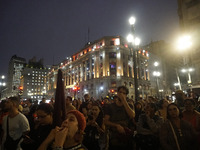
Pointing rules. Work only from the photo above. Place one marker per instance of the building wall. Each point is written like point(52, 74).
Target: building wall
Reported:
point(16, 65)
point(99, 68)
point(34, 82)
point(189, 18)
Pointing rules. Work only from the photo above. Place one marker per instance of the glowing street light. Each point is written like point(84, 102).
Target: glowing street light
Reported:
point(188, 71)
point(156, 64)
point(137, 41)
point(156, 73)
point(184, 42)
point(133, 43)
point(132, 20)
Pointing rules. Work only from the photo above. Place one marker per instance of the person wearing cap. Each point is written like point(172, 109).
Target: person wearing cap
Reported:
point(69, 136)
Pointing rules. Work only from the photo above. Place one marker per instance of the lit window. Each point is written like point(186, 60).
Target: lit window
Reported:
point(117, 41)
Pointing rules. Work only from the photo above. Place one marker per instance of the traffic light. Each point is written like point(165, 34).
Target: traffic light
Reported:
point(75, 88)
point(20, 90)
point(112, 90)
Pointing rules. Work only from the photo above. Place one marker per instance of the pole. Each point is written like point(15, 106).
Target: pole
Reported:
point(135, 64)
point(158, 95)
point(135, 74)
point(179, 83)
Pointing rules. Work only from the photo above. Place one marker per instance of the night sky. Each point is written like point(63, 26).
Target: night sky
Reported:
point(55, 29)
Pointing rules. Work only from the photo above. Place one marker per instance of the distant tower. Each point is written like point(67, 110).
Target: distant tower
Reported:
point(15, 68)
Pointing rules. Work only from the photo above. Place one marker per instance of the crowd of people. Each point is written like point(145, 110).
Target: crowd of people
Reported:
point(116, 123)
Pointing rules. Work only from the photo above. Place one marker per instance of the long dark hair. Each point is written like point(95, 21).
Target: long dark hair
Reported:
point(180, 112)
point(99, 119)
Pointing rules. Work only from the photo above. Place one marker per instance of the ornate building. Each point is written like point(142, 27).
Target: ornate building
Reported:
point(100, 67)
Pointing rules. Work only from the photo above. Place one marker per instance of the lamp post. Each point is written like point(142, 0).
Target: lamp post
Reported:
point(189, 76)
point(2, 84)
point(184, 43)
point(157, 74)
point(134, 42)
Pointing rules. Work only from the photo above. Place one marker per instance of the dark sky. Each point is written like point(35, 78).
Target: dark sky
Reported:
point(55, 29)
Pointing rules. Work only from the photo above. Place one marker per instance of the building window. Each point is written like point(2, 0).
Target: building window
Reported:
point(112, 55)
point(101, 57)
point(113, 68)
point(131, 84)
point(112, 42)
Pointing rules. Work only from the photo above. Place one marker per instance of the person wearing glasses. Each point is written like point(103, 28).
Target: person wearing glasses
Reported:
point(43, 126)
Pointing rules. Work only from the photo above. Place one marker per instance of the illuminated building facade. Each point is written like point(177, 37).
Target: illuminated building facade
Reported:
point(100, 67)
point(34, 80)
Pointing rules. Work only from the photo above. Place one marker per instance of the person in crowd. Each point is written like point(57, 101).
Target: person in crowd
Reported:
point(198, 105)
point(76, 103)
point(14, 126)
point(130, 102)
point(68, 102)
point(118, 117)
point(147, 129)
point(180, 97)
point(95, 128)
point(138, 110)
point(42, 127)
point(20, 108)
point(105, 103)
point(162, 111)
point(83, 106)
point(177, 134)
point(32, 116)
point(27, 107)
point(69, 136)
point(3, 113)
point(43, 100)
point(191, 115)
point(52, 101)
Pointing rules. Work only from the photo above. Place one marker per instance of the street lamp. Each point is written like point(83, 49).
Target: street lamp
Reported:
point(184, 43)
point(2, 84)
point(157, 74)
point(134, 42)
point(189, 76)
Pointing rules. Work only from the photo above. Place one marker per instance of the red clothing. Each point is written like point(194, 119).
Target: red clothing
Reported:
point(194, 120)
point(1, 117)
